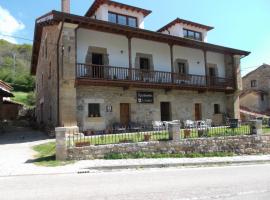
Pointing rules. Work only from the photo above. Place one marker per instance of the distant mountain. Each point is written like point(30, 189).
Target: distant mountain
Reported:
point(15, 60)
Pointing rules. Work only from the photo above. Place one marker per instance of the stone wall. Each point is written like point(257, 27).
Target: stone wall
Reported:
point(182, 105)
point(241, 145)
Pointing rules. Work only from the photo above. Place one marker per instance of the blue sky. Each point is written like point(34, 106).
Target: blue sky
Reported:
point(242, 24)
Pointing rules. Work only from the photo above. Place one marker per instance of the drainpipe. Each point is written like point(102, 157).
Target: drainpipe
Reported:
point(58, 75)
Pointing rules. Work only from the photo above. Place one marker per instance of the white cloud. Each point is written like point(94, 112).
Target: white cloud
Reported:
point(9, 25)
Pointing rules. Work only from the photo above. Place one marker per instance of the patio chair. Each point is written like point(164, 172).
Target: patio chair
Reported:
point(157, 125)
point(189, 124)
point(208, 122)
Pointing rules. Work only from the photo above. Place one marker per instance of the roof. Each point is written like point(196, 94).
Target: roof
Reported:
point(8, 101)
point(98, 3)
point(183, 21)
point(245, 110)
point(262, 66)
point(5, 93)
point(55, 17)
point(258, 92)
point(5, 86)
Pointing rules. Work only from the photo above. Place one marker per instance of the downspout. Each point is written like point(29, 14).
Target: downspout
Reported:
point(58, 76)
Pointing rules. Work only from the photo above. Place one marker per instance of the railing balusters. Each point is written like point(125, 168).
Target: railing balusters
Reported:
point(103, 72)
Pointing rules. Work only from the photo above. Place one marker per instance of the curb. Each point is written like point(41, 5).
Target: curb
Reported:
point(168, 165)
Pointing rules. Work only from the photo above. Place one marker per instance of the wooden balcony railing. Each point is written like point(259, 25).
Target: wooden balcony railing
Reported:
point(110, 73)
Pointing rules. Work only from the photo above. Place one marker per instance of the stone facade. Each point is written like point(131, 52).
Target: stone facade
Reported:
point(241, 145)
point(252, 95)
point(46, 77)
point(182, 105)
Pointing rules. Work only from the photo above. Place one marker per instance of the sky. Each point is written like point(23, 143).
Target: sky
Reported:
point(240, 24)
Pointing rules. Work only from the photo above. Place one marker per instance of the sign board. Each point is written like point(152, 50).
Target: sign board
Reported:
point(145, 97)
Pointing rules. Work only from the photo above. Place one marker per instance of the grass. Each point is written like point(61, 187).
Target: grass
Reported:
point(266, 129)
point(20, 97)
point(137, 155)
point(46, 156)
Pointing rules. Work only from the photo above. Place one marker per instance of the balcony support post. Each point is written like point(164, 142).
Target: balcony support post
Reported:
point(206, 68)
point(129, 58)
point(172, 68)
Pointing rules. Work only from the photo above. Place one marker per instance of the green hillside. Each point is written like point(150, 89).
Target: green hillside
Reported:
point(15, 68)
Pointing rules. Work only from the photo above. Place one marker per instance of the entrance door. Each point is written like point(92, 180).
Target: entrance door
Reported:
point(198, 111)
point(97, 70)
point(212, 75)
point(124, 113)
point(165, 111)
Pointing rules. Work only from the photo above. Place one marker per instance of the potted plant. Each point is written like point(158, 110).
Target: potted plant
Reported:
point(147, 137)
point(82, 144)
point(187, 133)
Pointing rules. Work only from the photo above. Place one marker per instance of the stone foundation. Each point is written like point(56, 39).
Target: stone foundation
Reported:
point(241, 145)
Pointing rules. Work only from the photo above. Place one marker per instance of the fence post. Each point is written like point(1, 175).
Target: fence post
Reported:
point(61, 148)
point(256, 127)
point(174, 131)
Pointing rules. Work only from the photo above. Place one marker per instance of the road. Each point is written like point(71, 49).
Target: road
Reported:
point(227, 183)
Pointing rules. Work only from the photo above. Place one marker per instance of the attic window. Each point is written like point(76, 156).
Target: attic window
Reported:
point(192, 34)
point(253, 83)
point(122, 19)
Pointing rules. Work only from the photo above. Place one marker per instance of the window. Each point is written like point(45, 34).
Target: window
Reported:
point(253, 83)
point(50, 70)
point(93, 110)
point(182, 68)
point(144, 64)
point(122, 19)
point(216, 109)
point(262, 97)
point(192, 34)
point(112, 17)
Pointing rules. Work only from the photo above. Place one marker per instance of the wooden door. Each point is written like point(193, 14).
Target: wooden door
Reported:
point(124, 113)
point(212, 75)
point(165, 111)
point(97, 69)
point(198, 111)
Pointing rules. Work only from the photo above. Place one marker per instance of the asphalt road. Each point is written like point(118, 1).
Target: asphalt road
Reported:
point(226, 183)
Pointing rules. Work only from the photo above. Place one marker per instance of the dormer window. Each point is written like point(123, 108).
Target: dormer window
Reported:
point(122, 19)
point(192, 34)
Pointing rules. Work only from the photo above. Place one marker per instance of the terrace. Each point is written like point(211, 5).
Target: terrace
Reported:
point(87, 74)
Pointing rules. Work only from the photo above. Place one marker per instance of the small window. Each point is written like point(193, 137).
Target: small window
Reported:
point(216, 109)
point(50, 70)
point(262, 97)
point(93, 110)
point(112, 17)
point(192, 34)
point(132, 22)
point(182, 68)
point(122, 20)
point(253, 83)
point(144, 64)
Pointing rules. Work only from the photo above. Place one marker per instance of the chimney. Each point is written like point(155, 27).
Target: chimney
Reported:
point(65, 6)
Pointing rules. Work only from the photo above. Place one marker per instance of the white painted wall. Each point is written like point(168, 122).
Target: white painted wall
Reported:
point(194, 56)
point(177, 30)
point(218, 59)
point(114, 44)
point(102, 14)
point(160, 52)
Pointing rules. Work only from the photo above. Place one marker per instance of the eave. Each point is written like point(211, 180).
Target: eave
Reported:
point(55, 17)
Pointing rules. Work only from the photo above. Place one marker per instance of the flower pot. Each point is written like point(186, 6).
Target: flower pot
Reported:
point(147, 137)
point(187, 133)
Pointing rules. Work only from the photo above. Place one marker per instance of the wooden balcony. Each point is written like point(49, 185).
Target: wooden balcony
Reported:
point(101, 75)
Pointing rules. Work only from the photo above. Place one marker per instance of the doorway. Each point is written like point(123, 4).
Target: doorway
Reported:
point(212, 75)
point(198, 111)
point(124, 113)
point(165, 111)
point(98, 69)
